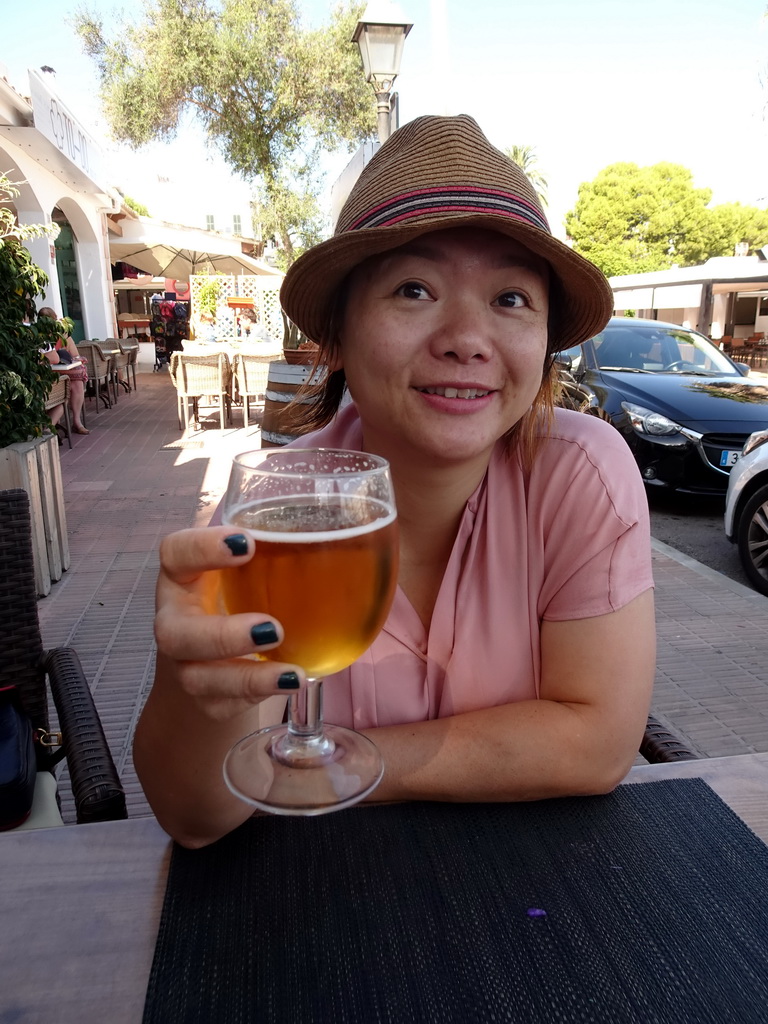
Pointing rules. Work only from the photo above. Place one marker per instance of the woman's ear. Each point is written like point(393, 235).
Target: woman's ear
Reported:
point(334, 361)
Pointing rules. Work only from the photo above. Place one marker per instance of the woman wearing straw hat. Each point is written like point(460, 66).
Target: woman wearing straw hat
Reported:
point(518, 658)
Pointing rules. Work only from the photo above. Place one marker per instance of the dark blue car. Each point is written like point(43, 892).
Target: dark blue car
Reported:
point(684, 408)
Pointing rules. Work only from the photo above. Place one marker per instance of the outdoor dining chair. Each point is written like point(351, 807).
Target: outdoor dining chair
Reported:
point(661, 745)
point(93, 779)
point(130, 347)
point(196, 377)
point(59, 395)
point(251, 373)
point(99, 371)
point(120, 361)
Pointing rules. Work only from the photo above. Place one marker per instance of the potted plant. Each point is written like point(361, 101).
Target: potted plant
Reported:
point(297, 348)
point(28, 458)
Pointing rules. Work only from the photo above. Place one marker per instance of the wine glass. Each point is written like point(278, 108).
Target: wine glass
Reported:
point(325, 566)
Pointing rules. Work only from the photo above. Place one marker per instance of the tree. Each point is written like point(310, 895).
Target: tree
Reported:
point(634, 219)
point(630, 220)
point(259, 84)
point(526, 159)
point(731, 223)
point(287, 208)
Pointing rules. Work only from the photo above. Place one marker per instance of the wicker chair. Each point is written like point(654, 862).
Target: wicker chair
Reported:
point(251, 373)
point(95, 784)
point(59, 395)
point(130, 348)
point(661, 745)
point(120, 362)
point(202, 376)
point(99, 371)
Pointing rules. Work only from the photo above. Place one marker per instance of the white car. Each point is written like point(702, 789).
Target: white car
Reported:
point(746, 509)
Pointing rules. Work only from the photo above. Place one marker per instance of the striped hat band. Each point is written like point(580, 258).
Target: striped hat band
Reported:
point(449, 199)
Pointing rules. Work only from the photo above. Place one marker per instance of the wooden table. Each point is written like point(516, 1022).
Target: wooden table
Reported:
point(80, 905)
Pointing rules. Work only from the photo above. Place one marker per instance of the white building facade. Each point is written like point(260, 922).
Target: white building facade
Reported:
point(725, 297)
point(59, 170)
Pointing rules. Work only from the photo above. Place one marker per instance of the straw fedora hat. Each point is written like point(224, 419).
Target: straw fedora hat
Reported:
point(431, 174)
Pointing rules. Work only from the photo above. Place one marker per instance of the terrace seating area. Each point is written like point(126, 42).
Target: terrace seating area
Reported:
point(221, 376)
point(752, 350)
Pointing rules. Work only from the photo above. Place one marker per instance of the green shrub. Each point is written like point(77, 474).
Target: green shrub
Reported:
point(25, 376)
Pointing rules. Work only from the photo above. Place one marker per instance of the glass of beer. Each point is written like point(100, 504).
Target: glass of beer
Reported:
point(325, 567)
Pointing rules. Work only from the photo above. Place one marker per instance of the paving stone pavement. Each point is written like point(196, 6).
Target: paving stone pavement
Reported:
point(137, 476)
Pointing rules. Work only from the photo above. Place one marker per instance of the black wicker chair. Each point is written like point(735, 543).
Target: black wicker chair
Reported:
point(661, 745)
point(96, 788)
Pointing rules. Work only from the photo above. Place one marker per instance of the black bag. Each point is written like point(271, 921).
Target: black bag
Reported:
point(17, 761)
point(65, 356)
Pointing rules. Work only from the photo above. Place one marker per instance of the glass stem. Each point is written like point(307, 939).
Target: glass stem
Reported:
point(304, 745)
point(305, 713)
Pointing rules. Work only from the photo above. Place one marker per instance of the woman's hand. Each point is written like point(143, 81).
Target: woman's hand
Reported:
point(209, 689)
point(212, 652)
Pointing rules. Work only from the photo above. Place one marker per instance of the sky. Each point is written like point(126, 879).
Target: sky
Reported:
point(586, 84)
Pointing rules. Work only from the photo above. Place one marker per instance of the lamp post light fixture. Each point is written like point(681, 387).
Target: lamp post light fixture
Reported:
point(380, 34)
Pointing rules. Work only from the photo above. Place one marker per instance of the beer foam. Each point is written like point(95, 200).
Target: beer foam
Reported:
point(288, 520)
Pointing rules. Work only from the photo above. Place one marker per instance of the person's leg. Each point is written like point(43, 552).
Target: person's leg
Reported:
point(76, 399)
point(55, 414)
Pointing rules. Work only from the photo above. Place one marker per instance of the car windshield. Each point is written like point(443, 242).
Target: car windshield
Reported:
point(644, 348)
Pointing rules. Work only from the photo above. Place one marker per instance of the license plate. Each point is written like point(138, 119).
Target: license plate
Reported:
point(729, 458)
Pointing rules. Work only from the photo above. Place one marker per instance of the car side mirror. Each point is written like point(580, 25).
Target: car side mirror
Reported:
point(744, 369)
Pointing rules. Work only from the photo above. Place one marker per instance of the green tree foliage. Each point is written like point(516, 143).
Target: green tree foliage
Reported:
point(631, 220)
point(731, 223)
point(25, 377)
point(287, 208)
point(526, 159)
point(259, 84)
point(136, 206)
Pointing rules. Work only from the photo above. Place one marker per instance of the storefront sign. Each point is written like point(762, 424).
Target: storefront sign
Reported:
point(57, 123)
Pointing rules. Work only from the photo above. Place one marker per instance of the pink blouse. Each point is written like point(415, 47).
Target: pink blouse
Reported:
point(569, 541)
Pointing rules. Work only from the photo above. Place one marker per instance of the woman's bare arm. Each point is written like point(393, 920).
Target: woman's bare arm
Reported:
point(581, 737)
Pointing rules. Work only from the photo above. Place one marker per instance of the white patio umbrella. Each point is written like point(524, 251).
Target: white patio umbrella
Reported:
point(168, 251)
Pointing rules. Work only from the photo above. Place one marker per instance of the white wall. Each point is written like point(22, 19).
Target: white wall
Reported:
point(43, 191)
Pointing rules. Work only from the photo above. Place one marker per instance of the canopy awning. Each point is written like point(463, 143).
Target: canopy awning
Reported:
point(167, 250)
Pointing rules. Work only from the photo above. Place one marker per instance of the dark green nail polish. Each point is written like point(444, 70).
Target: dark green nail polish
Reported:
point(237, 543)
point(288, 681)
point(264, 633)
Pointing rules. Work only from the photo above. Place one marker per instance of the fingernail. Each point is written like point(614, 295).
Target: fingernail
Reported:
point(264, 633)
point(237, 543)
point(288, 681)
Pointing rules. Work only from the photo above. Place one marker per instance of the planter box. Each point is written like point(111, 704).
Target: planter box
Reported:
point(35, 466)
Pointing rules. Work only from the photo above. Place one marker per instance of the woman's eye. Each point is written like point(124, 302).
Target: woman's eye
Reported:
point(412, 290)
point(512, 300)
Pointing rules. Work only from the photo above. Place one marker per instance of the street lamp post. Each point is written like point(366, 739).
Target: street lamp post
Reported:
point(380, 34)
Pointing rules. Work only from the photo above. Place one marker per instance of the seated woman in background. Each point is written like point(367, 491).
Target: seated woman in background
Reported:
point(78, 376)
point(518, 657)
point(206, 332)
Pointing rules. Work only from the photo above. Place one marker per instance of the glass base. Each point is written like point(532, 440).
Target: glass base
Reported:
point(280, 773)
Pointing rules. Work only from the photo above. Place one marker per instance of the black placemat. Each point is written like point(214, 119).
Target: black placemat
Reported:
point(655, 903)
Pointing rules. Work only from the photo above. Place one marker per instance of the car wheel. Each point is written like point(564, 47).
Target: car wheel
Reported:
point(752, 536)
